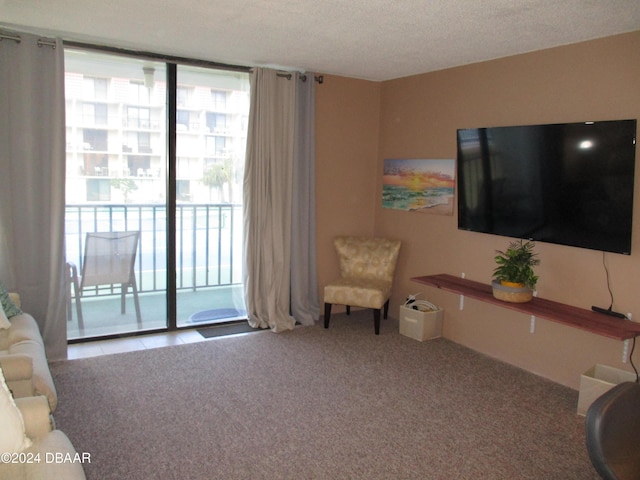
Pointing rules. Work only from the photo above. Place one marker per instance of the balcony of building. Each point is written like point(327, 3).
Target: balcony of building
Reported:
point(208, 273)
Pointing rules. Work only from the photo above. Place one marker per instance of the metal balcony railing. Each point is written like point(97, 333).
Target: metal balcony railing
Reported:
point(208, 242)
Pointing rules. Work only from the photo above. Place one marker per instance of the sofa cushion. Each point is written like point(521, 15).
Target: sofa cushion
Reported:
point(24, 327)
point(12, 435)
point(42, 379)
point(58, 461)
point(10, 308)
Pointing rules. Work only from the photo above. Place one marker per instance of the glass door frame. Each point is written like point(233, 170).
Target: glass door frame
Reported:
point(171, 63)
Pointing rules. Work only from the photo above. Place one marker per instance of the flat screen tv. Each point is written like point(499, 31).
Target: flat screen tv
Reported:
point(569, 184)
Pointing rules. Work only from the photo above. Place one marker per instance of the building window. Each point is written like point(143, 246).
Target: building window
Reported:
point(94, 114)
point(144, 142)
point(183, 190)
point(138, 93)
point(216, 146)
point(182, 96)
point(182, 120)
point(138, 117)
point(219, 100)
point(96, 165)
point(216, 122)
point(98, 190)
point(95, 139)
point(94, 88)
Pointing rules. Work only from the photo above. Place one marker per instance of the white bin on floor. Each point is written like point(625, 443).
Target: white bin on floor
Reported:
point(596, 381)
point(421, 325)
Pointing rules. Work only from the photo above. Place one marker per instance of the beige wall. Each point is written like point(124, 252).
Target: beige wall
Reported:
point(418, 117)
point(347, 130)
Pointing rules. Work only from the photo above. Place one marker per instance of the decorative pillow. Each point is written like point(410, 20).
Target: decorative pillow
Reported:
point(12, 437)
point(10, 308)
point(4, 321)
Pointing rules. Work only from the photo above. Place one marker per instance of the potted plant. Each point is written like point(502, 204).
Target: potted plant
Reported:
point(514, 279)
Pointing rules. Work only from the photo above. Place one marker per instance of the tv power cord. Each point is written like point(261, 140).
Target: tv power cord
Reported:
point(609, 311)
point(421, 305)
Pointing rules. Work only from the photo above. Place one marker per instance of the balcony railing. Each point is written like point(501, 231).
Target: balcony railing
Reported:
point(208, 242)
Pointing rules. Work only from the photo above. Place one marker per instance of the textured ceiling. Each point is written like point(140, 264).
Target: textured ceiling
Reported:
point(369, 39)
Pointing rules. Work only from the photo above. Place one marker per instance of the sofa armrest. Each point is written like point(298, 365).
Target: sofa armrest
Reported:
point(15, 298)
point(16, 366)
point(35, 415)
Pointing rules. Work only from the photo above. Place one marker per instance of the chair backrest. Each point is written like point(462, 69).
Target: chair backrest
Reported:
point(109, 258)
point(366, 257)
point(613, 432)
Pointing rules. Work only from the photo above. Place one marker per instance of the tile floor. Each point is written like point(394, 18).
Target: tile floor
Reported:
point(128, 344)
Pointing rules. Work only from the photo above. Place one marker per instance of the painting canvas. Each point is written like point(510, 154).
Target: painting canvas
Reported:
point(419, 185)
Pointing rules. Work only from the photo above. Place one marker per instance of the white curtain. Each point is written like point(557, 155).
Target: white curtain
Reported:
point(278, 149)
point(32, 195)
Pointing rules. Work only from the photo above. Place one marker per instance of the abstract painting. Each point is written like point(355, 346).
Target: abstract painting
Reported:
point(421, 185)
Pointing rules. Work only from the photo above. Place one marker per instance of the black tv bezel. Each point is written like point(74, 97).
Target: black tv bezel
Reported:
point(611, 247)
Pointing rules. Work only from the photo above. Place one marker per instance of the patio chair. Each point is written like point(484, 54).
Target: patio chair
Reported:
point(367, 266)
point(109, 258)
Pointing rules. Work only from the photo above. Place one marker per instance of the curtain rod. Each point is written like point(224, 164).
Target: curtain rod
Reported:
point(303, 77)
point(153, 56)
point(157, 56)
point(17, 38)
point(174, 59)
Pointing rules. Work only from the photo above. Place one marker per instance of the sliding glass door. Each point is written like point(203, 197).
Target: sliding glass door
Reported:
point(212, 109)
point(153, 216)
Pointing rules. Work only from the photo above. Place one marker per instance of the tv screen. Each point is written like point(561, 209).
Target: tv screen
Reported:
point(569, 184)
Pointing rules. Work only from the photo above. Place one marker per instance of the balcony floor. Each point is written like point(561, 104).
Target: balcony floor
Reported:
point(102, 315)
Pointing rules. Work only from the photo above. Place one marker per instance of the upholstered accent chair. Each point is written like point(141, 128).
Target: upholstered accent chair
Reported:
point(613, 432)
point(367, 266)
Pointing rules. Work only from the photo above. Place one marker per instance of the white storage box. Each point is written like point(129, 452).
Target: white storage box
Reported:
point(420, 325)
point(596, 381)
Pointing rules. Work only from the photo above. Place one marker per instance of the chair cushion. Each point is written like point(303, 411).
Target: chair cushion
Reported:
point(360, 292)
point(369, 258)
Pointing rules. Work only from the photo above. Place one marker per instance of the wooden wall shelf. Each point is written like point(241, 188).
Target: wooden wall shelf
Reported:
point(581, 318)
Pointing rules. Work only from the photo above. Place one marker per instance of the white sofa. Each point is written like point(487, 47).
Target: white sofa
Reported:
point(22, 354)
point(30, 446)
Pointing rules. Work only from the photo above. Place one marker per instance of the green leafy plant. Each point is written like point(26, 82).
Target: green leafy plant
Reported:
point(516, 264)
point(126, 185)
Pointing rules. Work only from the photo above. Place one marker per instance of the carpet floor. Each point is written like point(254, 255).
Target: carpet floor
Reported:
point(318, 404)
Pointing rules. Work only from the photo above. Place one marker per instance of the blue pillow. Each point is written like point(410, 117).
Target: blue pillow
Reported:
point(8, 306)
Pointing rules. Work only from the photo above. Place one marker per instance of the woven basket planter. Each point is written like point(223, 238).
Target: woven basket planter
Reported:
point(511, 294)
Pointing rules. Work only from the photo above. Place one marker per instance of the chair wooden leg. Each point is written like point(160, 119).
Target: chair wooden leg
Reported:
point(386, 309)
point(348, 309)
point(376, 320)
point(327, 314)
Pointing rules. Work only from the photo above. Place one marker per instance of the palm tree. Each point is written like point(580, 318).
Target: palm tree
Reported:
point(216, 175)
point(126, 185)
